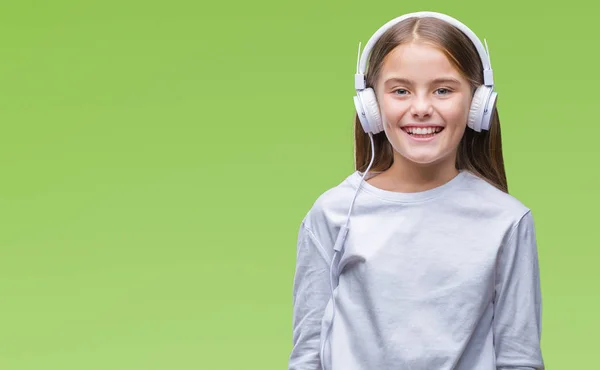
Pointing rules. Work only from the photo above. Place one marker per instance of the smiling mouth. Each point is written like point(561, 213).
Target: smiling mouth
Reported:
point(423, 132)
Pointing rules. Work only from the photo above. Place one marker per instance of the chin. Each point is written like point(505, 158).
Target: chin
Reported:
point(423, 159)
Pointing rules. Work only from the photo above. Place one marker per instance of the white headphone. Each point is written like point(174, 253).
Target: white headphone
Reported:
point(484, 99)
point(480, 113)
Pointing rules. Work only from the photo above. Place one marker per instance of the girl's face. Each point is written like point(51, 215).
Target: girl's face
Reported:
point(424, 103)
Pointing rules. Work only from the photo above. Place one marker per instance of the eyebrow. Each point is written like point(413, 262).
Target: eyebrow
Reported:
point(435, 81)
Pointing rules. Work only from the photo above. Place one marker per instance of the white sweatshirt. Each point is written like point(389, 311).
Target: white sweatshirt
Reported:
point(444, 279)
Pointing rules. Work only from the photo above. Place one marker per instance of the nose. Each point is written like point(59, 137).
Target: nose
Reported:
point(421, 107)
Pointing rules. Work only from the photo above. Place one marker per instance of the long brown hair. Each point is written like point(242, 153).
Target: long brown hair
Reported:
point(478, 152)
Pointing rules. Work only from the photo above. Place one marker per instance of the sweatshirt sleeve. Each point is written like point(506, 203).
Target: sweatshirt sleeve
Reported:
point(311, 293)
point(518, 303)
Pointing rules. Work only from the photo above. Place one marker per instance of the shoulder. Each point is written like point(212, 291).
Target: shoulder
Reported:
point(493, 202)
point(329, 210)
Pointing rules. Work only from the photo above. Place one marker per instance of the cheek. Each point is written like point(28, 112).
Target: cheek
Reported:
point(456, 114)
point(392, 109)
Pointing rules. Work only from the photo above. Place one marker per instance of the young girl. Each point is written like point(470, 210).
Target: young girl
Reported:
point(420, 259)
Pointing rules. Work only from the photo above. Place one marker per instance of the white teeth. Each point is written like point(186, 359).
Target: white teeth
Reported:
point(424, 130)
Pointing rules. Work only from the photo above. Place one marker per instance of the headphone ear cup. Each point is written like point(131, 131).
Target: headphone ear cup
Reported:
point(369, 101)
point(362, 113)
point(477, 107)
point(489, 109)
point(368, 111)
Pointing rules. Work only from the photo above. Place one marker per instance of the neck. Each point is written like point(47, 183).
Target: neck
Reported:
point(407, 176)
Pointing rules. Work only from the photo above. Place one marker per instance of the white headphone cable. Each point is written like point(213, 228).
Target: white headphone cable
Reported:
point(337, 248)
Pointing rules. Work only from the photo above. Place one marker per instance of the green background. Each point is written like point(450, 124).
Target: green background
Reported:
point(157, 159)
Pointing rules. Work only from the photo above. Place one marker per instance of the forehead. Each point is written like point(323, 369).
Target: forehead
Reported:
point(418, 62)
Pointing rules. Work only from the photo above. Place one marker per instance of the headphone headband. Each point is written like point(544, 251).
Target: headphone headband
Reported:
point(488, 76)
